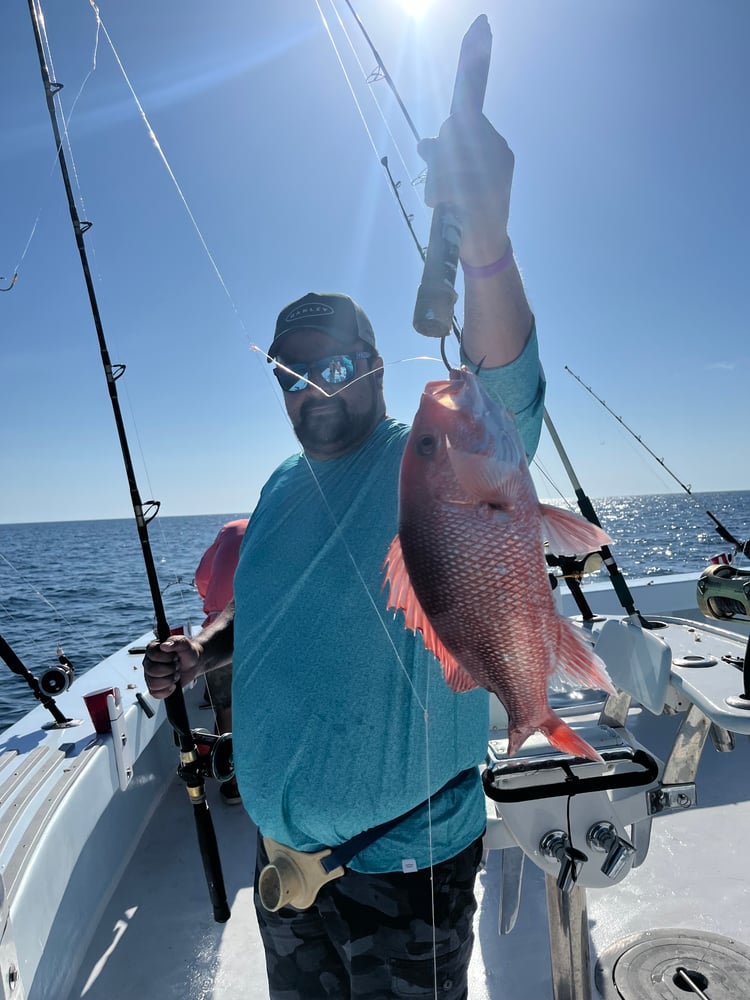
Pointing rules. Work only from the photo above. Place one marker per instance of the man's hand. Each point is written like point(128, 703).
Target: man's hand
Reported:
point(167, 664)
point(470, 165)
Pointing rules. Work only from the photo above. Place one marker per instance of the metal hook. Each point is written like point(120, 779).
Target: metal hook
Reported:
point(12, 282)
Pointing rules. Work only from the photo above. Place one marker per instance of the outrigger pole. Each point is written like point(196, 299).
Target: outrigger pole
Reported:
point(189, 768)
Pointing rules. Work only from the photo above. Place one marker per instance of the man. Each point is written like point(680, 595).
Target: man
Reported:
point(342, 721)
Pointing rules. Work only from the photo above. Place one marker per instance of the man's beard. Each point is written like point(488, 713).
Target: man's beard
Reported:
point(333, 427)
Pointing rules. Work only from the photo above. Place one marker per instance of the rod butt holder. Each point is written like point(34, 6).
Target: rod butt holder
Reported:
point(292, 878)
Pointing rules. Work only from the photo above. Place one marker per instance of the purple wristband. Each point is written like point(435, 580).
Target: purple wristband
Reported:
point(488, 270)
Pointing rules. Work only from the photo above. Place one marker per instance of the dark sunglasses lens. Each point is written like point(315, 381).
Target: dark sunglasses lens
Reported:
point(334, 370)
point(290, 381)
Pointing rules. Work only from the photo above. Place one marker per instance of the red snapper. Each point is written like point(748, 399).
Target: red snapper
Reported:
point(467, 565)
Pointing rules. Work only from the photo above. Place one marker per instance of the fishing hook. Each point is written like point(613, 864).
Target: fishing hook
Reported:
point(13, 280)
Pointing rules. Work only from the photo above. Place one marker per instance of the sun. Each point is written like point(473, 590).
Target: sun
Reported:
point(415, 8)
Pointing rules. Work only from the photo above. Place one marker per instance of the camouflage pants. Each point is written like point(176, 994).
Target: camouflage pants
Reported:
point(371, 937)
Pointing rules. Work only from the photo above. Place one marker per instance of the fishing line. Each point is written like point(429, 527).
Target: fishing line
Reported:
point(60, 618)
point(547, 476)
point(423, 703)
point(337, 528)
point(162, 156)
point(370, 79)
point(456, 330)
point(347, 383)
point(65, 120)
point(743, 547)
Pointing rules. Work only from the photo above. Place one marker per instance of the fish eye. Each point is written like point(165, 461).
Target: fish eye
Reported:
point(425, 445)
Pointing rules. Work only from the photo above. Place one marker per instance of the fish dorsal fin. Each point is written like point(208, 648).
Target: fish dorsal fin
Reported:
point(578, 666)
point(569, 533)
point(402, 597)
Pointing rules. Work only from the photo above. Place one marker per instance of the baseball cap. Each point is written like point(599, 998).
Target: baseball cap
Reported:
point(336, 315)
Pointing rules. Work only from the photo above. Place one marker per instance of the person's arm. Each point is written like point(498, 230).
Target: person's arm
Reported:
point(181, 659)
point(471, 166)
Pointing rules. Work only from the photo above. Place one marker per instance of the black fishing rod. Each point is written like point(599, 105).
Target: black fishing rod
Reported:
point(723, 532)
point(584, 503)
point(53, 681)
point(190, 768)
point(385, 74)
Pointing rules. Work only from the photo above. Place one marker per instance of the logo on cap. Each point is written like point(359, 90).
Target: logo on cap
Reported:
point(309, 309)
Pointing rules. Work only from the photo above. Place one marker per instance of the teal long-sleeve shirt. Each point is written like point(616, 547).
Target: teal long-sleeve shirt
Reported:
point(341, 718)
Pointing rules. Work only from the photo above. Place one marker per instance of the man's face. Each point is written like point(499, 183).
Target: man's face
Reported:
point(335, 421)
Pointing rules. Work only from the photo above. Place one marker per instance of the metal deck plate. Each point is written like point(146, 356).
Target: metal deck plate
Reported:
point(662, 964)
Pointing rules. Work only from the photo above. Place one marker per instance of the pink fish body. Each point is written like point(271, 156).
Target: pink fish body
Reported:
point(467, 565)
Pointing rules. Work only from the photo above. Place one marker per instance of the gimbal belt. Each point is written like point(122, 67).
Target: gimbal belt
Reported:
point(293, 878)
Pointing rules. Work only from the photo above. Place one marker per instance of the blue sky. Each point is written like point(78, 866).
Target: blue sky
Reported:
point(630, 216)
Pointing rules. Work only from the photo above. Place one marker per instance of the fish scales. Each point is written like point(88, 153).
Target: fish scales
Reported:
point(467, 565)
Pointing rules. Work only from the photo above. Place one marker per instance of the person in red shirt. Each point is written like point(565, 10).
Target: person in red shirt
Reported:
point(214, 580)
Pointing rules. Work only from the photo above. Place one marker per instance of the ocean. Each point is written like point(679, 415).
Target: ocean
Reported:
point(81, 585)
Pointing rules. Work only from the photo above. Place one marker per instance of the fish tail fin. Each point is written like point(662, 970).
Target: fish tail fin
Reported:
point(559, 733)
point(566, 739)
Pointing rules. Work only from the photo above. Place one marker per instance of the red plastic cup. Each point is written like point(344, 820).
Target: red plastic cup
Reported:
point(96, 703)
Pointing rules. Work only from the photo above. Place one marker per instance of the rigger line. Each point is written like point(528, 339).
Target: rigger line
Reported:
point(189, 768)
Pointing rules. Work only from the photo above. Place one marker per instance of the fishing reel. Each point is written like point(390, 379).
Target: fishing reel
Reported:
point(57, 679)
point(215, 754)
point(724, 593)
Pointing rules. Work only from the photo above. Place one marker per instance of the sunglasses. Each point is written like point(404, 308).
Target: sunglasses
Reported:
point(335, 370)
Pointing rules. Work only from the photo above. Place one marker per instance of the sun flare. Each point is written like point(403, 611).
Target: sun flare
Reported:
point(415, 8)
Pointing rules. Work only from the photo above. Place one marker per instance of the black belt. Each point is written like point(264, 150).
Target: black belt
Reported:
point(343, 854)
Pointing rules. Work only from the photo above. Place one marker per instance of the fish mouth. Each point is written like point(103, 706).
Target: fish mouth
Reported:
point(453, 393)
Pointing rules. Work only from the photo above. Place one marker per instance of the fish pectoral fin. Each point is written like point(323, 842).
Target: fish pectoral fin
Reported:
point(578, 666)
point(569, 533)
point(492, 479)
point(402, 597)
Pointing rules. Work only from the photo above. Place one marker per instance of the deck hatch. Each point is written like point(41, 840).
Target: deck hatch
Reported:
point(669, 963)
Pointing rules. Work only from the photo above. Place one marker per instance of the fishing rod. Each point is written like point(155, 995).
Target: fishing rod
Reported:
point(471, 71)
point(743, 547)
point(190, 769)
point(54, 681)
point(381, 73)
point(436, 295)
point(408, 219)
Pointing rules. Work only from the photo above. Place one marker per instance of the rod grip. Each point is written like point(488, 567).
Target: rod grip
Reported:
point(209, 850)
point(436, 296)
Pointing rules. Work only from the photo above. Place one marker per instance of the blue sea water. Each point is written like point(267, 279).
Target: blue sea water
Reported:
point(82, 585)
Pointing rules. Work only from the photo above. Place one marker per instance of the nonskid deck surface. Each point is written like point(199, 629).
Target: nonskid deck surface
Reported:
point(158, 938)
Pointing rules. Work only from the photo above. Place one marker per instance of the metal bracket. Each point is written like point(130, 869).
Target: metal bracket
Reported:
point(672, 798)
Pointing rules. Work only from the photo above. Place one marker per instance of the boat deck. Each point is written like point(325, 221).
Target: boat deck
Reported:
point(157, 936)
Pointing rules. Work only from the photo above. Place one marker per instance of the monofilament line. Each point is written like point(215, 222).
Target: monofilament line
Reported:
point(162, 156)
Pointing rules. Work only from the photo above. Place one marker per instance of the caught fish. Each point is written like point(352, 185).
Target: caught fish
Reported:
point(467, 565)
